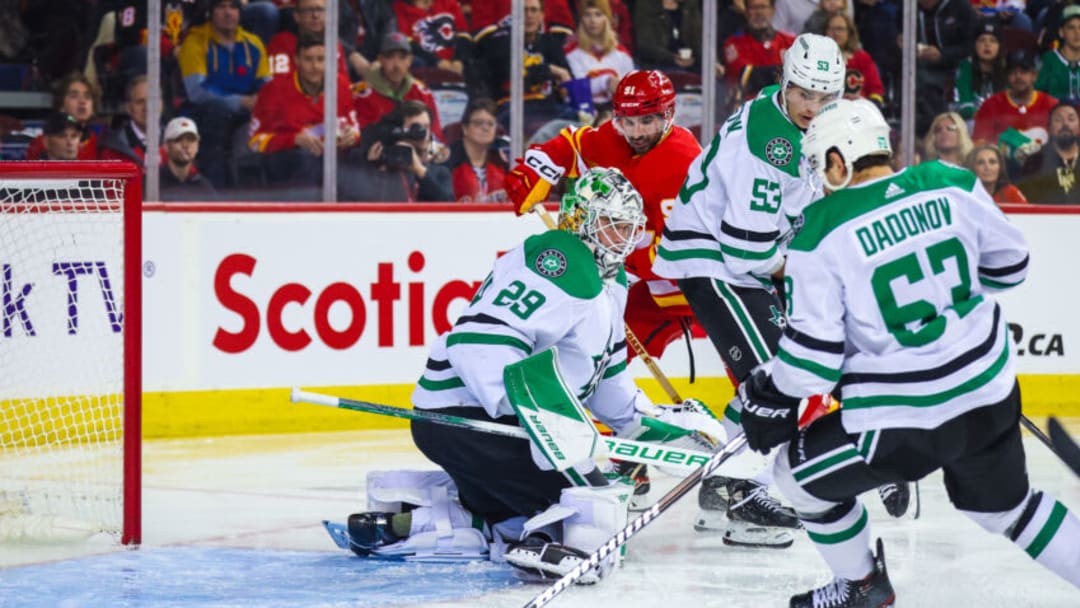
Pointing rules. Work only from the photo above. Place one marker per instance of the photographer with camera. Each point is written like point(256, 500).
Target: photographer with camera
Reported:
point(395, 161)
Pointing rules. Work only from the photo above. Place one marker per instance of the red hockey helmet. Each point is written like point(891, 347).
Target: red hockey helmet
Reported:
point(643, 92)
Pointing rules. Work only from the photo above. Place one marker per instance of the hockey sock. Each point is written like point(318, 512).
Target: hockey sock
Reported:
point(730, 419)
point(842, 537)
point(1050, 534)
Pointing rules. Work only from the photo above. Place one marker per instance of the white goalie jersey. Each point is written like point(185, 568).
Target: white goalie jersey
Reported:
point(546, 292)
point(741, 200)
point(888, 286)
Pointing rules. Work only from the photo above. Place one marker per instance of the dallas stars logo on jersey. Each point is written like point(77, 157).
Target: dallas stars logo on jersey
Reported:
point(779, 151)
point(551, 263)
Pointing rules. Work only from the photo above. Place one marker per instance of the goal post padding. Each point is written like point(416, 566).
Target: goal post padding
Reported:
point(70, 350)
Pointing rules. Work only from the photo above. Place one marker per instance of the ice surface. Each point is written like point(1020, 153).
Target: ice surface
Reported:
point(236, 522)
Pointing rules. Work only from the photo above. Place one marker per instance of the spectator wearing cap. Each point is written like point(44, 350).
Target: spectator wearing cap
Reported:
point(1051, 172)
point(179, 178)
point(61, 135)
point(1060, 73)
point(1019, 108)
point(76, 96)
point(982, 74)
point(945, 31)
point(389, 84)
point(223, 66)
point(438, 32)
point(287, 123)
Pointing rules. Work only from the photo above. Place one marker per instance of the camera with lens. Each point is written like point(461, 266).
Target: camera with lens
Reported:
point(393, 155)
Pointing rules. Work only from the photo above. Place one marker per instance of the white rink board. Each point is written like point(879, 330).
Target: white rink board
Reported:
point(208, 275)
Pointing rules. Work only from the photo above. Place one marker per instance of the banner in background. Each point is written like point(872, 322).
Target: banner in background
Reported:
point(270, 299)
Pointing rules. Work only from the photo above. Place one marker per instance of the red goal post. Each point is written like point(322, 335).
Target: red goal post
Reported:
point(70, 350)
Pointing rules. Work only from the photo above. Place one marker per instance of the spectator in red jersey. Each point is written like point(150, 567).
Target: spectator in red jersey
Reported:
point(759, 45)
point(1019, 108)
point(597, 54)
point(988, 164)
point(287, 122)
point(310, 17)
point(390, 83)
point(438, 32)
point(60, 137)
point(178, 177)
point(76, 96)
point(863, 79)
point(477, 169)
point(129, 141)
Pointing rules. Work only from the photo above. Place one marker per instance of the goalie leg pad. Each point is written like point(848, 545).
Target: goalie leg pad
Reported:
point(441, 529)
point(589, 517)
point(396, 491)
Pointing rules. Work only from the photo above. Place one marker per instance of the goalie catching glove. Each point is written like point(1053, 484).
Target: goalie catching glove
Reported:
point(531, 180)
point(768, 416)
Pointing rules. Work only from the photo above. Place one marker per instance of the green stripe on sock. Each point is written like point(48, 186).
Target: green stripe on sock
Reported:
point(1049, 529)
point(841, 536)
point(821, 465)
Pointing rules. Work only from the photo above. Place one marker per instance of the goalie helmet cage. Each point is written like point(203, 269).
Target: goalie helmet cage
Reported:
point(70, 350)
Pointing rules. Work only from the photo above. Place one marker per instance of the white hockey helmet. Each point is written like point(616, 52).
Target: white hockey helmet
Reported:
point(605, 210)
point(855, 128)
point(815, 63)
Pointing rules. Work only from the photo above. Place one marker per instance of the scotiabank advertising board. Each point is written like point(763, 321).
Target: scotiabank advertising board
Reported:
point(274, 298)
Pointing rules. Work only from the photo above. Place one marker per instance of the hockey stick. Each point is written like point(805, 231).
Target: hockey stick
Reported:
point(623, 449)
point(635, 343)
point(681, 489)
point(1029, 425)
point(1066, 448)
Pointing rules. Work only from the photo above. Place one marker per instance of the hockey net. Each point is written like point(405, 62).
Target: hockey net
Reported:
point(69, 351)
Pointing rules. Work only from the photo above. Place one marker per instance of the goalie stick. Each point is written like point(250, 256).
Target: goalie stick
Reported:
point(1067, 449)
point(681, 489)
point(623, 449)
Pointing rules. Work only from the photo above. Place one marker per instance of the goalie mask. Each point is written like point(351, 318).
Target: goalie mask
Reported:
point(607, 214)
point(854, 128)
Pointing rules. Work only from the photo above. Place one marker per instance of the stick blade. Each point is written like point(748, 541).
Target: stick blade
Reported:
point(1064, 444)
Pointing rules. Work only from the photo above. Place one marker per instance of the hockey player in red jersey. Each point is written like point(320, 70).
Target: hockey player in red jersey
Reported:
point(654, 154)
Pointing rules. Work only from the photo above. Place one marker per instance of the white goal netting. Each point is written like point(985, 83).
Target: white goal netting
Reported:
point(61, 357)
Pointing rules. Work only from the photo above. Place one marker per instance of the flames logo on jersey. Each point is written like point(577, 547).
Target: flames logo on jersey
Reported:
point(435, 33)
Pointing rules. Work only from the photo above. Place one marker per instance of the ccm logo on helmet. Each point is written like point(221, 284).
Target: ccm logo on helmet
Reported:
point(767, 412)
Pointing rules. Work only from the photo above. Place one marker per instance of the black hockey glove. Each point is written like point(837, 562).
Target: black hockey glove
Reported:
point(769, 417)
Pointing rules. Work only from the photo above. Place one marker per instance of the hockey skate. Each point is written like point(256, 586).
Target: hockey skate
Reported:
point(874, 591)
point(745, 512)
point(537, 560)
point(371, 530)
point(896, 497)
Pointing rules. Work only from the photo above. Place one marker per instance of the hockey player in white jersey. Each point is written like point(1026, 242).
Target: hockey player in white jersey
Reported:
point(890, 283)
point(724, 242)
point(563, 289)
